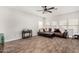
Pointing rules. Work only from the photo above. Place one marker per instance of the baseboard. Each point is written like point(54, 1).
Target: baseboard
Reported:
point(15, 39)
point(12, 39)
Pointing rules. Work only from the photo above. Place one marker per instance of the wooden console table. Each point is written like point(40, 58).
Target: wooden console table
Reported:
point(25, 32)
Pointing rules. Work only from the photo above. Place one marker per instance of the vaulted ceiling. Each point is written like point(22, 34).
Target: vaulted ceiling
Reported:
point(60, 10)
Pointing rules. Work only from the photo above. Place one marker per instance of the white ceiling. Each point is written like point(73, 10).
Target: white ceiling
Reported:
point(60, 10)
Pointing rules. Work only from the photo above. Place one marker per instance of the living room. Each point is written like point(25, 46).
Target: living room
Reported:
point(14, 20)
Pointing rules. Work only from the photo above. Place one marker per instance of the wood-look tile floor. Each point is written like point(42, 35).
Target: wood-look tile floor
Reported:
point(40, 44)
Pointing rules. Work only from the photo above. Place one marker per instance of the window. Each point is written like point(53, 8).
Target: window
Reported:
point(63, 22)
point(54, 23)
point(40, 24)
point(71, 25)
point(74, 28)
point(73, 21)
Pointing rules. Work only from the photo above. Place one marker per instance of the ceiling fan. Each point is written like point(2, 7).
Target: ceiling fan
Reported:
point(46, 9)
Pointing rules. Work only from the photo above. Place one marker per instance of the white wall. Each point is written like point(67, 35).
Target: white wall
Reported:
point(12, 22)
point(3, 14)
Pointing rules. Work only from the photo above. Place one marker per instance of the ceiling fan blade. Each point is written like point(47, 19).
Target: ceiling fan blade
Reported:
point(43, 7)
point(51, 8)
point(50, 11)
